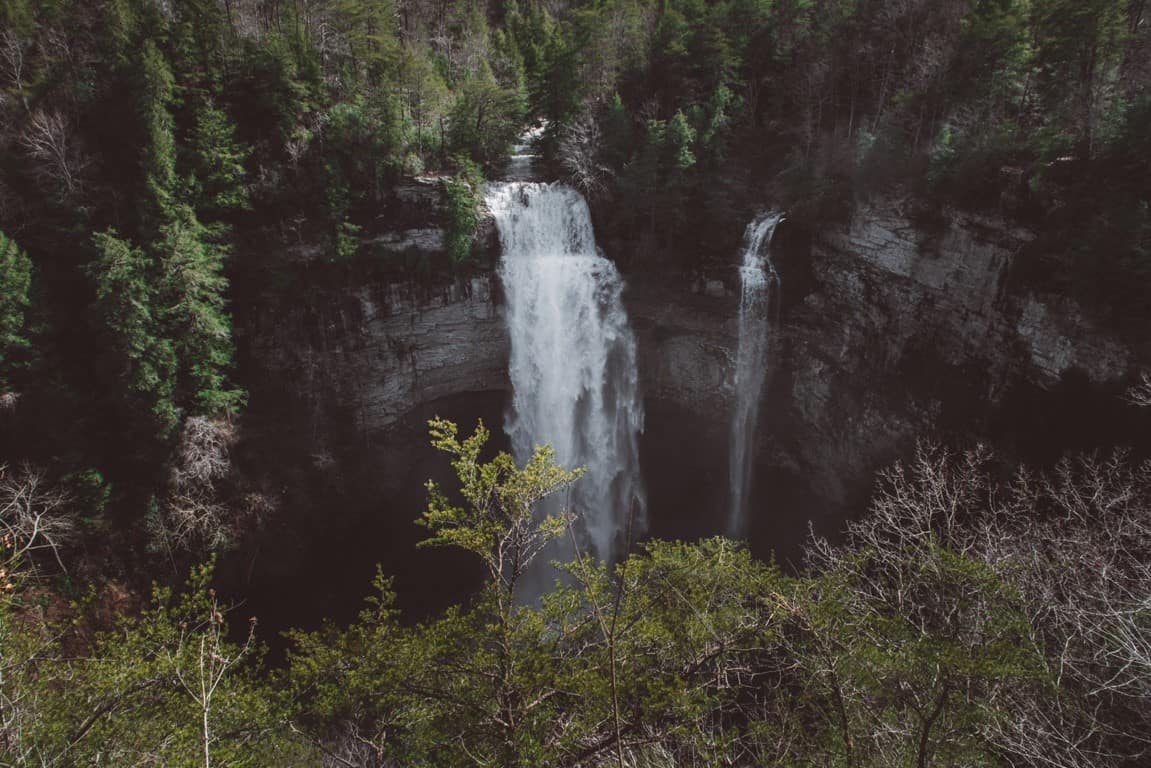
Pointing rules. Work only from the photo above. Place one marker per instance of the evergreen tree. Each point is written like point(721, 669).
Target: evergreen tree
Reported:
point(194, 317)
point(15, 284)
point(142, 360)
point(154, 97)
point(219, 179)
point(485, 118)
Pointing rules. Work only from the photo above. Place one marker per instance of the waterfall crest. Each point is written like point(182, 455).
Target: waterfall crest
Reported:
point(758, 279)
point(573, 360)
point(521, 163)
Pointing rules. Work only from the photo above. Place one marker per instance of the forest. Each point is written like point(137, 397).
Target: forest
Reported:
point(159, 157)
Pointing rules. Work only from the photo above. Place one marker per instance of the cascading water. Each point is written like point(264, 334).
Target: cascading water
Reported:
point(758, 279)
point(521, 162)
point(573, 367)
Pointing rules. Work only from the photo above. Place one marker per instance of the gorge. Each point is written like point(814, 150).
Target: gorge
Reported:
point(867, 484)
point(886, 332)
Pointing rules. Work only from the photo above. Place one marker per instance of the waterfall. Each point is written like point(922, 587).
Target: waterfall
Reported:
point(573, 360)
point(757, 279)
point(521, 162)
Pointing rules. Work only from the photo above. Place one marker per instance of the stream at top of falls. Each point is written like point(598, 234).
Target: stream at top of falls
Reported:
point(572, 366)
point(758, 279)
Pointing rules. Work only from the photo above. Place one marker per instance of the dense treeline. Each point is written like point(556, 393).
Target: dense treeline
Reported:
point(973, 617)
point(151, 151)
point(1038, 109)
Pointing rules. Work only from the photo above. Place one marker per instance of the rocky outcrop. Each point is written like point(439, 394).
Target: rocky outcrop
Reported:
point(888, 332)
point(424, 239)
point(899, 325)
point(686, 341)
point(954, 291)
point(373, 353)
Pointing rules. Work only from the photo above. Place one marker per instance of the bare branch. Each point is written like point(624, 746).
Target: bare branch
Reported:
point(195, 514)
point(579, 154)
point(33, 517)
point(1140, 394)
point(47, 140)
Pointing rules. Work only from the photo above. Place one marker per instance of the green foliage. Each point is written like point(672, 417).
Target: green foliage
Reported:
point(358, 141)
point(155, 94)
point(347, 240)
point(90, 490)
point(485, 118)
point(15, 284)
point(949, 618)
point(464, 193)
point(425, 97)
point(501, 503)
point(142, 359)
point(167, 326)
point(198, 128)
point(165, 683)
point(219, 179)
point(194, 316)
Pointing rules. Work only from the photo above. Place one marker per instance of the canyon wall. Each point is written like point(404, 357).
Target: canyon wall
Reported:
point(887, 332)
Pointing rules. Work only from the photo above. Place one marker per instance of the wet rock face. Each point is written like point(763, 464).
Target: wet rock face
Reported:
point(686, 343)
point(954, 288)
point(373, 353)
point(904, 331)
point(1059, 338)
point(425, 239)
point(342, 379)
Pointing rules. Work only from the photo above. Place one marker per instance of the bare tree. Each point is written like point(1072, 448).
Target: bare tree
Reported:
point(201, 671)
point(13, 61)
point(47, 140)
point(34, 517)
point(351, 749)
point(579, 154)
point(1075, 544)
point(1140, 394)
point(195, 514)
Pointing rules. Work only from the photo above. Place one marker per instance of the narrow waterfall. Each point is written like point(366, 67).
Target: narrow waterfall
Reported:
point(758, 278)
point(573, 360)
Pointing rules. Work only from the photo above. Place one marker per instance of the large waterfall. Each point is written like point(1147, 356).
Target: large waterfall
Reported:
point(758, 279)
point(573, 367)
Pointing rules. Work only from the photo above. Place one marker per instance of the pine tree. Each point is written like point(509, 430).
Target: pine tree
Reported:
point(218, 174)
point(142, 360)
point(15, 283)
point(154, 97)
point(194, 318)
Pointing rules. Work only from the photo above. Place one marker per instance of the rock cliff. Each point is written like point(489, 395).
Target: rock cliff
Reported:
point(375, 352)
point(898, 325)
point(887, 331)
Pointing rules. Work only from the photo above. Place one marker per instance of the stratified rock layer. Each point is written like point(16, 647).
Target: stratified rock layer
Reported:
point(887, 332)
point(376, 352)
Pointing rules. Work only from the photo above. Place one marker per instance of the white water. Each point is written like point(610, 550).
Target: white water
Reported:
point(521, 162)
point(573, 367)
point(758, 279)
